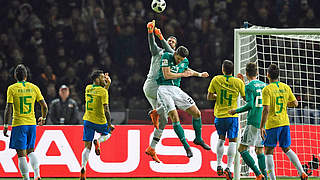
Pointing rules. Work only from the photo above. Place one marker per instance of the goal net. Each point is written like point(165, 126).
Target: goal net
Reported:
point(297, 54)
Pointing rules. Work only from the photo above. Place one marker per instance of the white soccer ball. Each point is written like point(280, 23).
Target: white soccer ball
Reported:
point(158, 5)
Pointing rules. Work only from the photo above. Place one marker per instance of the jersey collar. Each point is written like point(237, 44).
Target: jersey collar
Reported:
point(23, 83)
point(228, 76)
point(276, 82)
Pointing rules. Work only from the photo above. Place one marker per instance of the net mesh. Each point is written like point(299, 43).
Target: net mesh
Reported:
point(298, 58)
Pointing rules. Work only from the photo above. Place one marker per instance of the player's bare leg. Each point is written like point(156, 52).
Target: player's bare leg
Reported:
point(85, 157)
point(22, 163)
point(179, 131)
point(196, 122)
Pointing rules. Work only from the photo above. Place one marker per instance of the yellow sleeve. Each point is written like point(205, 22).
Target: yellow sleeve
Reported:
point(9, 95)
point(104, 96)
point(38, 94)
point(211, 88)
point(291, 95)
point(265, 97)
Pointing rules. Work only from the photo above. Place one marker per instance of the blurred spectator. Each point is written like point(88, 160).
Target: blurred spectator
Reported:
point(47, 77)
point(63, 110)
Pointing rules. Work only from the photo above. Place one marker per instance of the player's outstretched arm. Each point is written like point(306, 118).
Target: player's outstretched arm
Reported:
point(198, 74)
point(164, 43)
point(249, 105)
point(7, 116)
point(44, 112)
point(153, 47)
point(167, 74)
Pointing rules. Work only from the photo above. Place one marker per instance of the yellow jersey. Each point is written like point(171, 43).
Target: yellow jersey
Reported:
point(277, 95)
point(96, 96)
point(23, 96)
point(227, 89)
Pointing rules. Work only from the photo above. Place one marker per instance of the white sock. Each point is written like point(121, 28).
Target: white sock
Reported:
point(295, 160)
point(103, 138)
point(34, 163)
point(220, 150)
point(85, 157)
point(156, 137)
point(231, 152)
point(23, 166)
point(270, 166)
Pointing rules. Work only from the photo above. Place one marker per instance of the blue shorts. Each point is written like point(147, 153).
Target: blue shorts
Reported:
point(281, 134)
point(227, 125)
point(23, 137)
point(89, 128)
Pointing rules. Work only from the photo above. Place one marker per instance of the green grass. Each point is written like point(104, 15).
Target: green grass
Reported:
point(318, 178)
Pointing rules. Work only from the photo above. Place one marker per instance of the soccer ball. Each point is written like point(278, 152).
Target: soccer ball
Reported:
point(158, 5)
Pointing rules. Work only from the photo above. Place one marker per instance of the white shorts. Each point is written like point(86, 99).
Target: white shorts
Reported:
point(171, 96)
point(251, 137)
point(150, 88)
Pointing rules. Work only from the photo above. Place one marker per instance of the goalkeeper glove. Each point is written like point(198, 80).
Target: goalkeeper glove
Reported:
point(151, 26)
point(157, 32)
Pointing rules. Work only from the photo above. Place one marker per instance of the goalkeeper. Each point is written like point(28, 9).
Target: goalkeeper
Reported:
point(150, 86)
point(251, 135)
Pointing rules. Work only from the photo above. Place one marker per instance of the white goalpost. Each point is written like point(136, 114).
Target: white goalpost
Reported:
point(297, 54)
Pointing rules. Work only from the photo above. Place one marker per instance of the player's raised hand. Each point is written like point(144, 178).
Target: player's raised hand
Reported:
point(263, 133)
point(240, 76)
point(158, 33)
point(232, 111)
point(151, 26)
point(107, 78)
point(204, 74)
point(41, 121)
point(5, 131)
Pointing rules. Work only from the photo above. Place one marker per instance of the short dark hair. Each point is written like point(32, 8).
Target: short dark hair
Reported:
point(251, 69)
point(95, 74)
point(227, 66)
point(273, 71)
point(20, 72)
point(172, 37)
point(182, 51)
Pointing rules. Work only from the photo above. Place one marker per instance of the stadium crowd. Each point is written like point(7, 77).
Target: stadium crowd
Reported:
point(62, 41)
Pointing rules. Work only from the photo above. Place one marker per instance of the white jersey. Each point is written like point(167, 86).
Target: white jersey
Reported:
point(150, 86)
point(155, 66)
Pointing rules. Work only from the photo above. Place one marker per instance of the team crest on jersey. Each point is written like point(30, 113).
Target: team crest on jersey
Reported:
point(165, 62)
point(182, 65)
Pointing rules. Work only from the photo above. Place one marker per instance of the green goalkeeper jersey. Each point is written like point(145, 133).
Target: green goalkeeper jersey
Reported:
point(254, 102)
point(167, 60)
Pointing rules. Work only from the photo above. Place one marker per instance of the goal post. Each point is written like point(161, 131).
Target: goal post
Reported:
point(296, 51)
